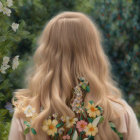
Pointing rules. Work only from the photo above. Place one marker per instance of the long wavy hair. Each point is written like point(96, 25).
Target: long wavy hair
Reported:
point(69, 47)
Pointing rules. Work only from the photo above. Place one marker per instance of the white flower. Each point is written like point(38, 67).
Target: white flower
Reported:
point(4, 68)
point(6, 11)
point(1, 7)
point(29, 111)
point(55, 115)
point(14, 26)
point(15, 62)
point(9, 3)
point(5, 65)
point(70, 121)
point(5, 60)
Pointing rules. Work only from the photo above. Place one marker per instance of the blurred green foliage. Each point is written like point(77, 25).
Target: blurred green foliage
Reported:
point(118, 21)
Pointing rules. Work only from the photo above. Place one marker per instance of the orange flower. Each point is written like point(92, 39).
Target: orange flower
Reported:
point(92, 110)
point(91, 130)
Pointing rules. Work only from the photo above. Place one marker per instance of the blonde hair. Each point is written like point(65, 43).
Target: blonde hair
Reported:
point(70, 46)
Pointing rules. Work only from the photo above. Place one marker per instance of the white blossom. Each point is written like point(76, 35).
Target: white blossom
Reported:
point(4, 68)
point(55, 115)
point(70, 121)
point(14, 26)
point(5, 60)
point(6, 11)
point(5, 65)
point(15, 62)
point(9, 3)
point(29, 111)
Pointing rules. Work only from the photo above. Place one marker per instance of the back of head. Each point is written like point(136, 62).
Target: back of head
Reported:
point(69, 47)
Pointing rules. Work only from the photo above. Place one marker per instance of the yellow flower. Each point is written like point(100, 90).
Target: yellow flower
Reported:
point(70, 121)
point(91, 130)
point(49, 126)
point(92, 110)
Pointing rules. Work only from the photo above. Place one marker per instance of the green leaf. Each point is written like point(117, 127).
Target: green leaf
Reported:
point(84, 114)
point(90, 138)
point(112, 125)
point(15, 99)
point(56, 136)
point(3, 112)
point(33, 131)
point(82, 133)
point(83, 86)
point(81, 118)
point(101, 119)
point(91, 102)
point(2, 97)
point(27, 123)
point(59, 124)
point(24, 33)
point(2, 38)
point(22, 24)
point(80, 138)
point(87, 89)
point(100, 108)
point(26, 131)
point(82, 104)
point(90, 120)
point(70, 131)
point(120, 134)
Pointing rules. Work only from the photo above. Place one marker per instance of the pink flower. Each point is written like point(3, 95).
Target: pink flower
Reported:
point(67, 137)
point(81, 125)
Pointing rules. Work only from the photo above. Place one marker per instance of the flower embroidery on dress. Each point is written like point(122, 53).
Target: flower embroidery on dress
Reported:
point(83, 126)
point(92, 110)
point(49, 126)
point(70, 121)
point(91, 130)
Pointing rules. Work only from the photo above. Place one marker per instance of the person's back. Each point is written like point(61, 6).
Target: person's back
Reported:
point(70, 94)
